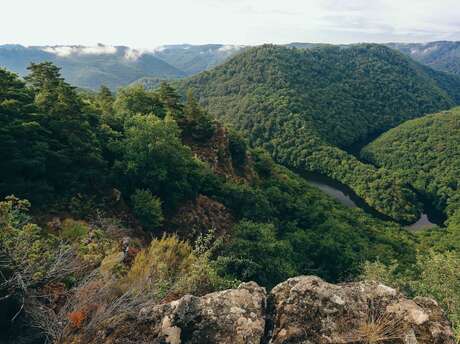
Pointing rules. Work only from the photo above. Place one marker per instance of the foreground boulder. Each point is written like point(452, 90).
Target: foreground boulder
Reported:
point(230, 316)
point(303, 310)
point(309, 310)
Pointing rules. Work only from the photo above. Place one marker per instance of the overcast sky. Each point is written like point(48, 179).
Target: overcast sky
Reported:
point(149, 23)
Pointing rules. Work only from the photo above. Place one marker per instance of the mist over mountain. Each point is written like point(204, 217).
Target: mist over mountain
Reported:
point(117, 66)
point(193, 59)
point(90, 67)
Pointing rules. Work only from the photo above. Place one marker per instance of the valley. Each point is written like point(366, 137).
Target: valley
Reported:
point(246, 168)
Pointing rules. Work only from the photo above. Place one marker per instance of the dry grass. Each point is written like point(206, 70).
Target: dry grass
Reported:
point(377, 328)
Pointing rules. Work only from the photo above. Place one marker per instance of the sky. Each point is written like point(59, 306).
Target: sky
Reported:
point(151, 23)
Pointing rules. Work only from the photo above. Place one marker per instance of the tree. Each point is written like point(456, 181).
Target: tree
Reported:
point(65, 137)
point(197, 122)
point(152, 156)
point(255, 254)
point(147, 208)
point(135, 100)
point(171, 99)
point(52, 94)
point(23, 143)
point(104, 101)
point(15, 98)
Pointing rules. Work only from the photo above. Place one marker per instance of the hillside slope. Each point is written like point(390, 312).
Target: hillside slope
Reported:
point(304, 105)
point(194, 59)
point(426, 153)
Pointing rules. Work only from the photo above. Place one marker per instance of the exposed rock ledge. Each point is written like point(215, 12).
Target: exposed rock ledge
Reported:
point(301, 310)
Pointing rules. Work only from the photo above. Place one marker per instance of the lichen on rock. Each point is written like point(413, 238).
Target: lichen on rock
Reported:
point(301, 310)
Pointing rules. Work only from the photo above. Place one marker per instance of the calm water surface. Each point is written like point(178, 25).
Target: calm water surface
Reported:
point(348, 198)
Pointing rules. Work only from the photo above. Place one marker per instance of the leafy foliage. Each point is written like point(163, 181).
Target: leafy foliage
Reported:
point(147, 208)
point(151, 156)
point(134, 100)
point(425, 153)
point(43, 152)
point(285, 227)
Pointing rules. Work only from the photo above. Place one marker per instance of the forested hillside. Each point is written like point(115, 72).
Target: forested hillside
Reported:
point(104, 174)
point(307, 107)
point(194, 59)
point(425, 152)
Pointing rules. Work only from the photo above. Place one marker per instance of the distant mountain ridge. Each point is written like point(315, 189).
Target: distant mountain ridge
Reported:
point(90, 67)
point(193, 59)
point(442, 55)
point(117, 66)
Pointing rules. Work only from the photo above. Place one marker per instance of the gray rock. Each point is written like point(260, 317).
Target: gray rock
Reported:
point(309, 310)
point(301, 310)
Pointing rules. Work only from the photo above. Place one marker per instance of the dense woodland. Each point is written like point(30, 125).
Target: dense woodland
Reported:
point(425, 152)
point(307, 107)
point(112, 200)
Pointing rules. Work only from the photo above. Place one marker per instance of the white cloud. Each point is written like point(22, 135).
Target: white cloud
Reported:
point(64, 51)
point(229, 48)
point(134, 54)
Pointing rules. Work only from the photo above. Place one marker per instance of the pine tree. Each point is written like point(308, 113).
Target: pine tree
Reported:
point(171, 99)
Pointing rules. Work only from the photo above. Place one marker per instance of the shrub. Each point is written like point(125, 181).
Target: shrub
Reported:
point(169, 267)
point(379, 272)
point(238, 148)
point(147, 208)
point(72, 230)
point(255, 253)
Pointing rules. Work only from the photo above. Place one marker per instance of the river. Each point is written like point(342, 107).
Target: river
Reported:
point(348, 198)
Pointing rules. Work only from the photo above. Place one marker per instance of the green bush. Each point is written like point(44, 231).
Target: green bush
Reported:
point(238, 148)
point(72, 230)
point(254, 253)
point(147, 208)
point(151, 156)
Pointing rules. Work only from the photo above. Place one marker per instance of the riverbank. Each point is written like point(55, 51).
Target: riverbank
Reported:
point(344, 195)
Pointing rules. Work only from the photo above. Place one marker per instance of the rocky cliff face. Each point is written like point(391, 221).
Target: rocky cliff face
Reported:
point(301, 310)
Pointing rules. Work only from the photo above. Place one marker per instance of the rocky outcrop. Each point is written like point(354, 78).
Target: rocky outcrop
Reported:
point(199, 216)
point(309, 310)
point(301, 310)
point(234, 316)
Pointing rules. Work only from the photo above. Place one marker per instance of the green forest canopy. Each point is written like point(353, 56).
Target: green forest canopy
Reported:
point(424, 152)
point(306, 107)
point(66, 152)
